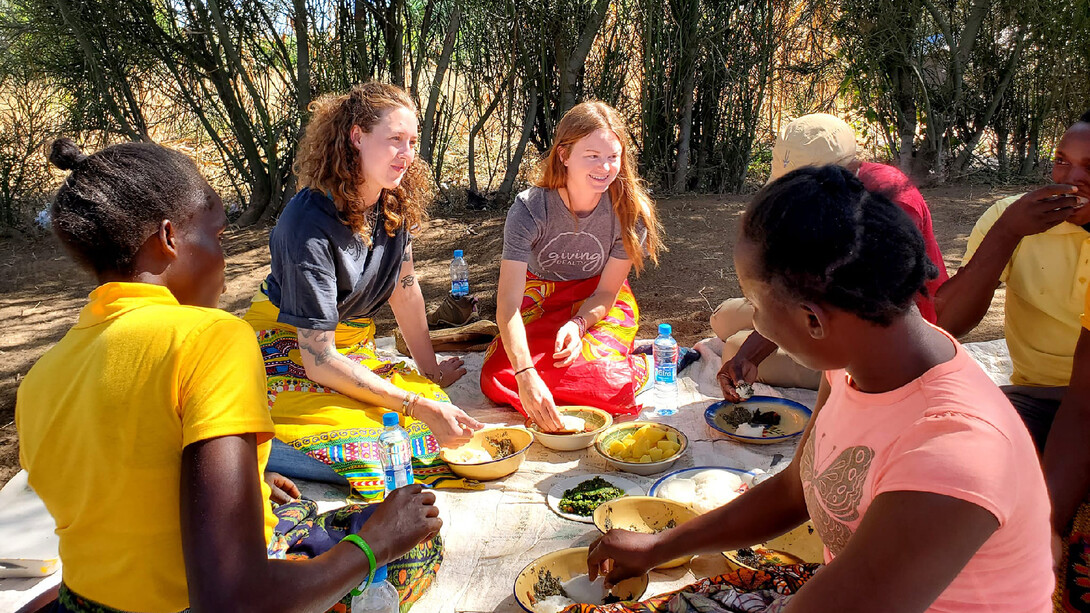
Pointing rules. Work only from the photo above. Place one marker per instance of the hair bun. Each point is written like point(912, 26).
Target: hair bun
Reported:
point(65, 154)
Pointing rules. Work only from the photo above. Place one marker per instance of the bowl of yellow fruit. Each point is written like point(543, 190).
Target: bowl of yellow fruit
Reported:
point(641, 447)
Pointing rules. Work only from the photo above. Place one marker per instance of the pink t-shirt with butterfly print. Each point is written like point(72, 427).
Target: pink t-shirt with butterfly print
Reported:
point(950, 432)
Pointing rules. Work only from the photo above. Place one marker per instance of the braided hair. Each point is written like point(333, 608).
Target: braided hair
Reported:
point(113, 200)
point(822, 237)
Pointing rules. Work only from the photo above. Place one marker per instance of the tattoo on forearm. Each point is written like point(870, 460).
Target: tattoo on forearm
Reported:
point(407, 281)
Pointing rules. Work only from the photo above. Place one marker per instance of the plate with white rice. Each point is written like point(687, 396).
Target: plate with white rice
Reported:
point(703, 488)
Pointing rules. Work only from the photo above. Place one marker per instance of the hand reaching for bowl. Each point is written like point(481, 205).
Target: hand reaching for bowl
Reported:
point(538, 401)
point(620, 554)
point(451, 426)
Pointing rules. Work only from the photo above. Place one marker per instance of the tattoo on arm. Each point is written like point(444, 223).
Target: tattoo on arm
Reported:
point(407, 281)
point(318, 344)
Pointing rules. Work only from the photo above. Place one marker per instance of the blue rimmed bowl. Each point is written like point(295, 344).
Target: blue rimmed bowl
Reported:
point(793, 419)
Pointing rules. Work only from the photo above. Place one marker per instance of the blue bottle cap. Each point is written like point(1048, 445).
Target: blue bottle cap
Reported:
point(665, 329)
point(380, 575)
point(457, 253)
point(390, 419)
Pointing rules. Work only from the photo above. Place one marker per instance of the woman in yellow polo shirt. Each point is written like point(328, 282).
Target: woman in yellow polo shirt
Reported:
point(145, 430)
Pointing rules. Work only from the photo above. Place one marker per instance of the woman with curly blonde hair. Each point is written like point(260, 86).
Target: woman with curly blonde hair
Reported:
point(341, 249)
point(566, 313)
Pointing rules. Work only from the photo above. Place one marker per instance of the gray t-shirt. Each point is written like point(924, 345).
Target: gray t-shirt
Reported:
point(323, 272)
point(556, 245)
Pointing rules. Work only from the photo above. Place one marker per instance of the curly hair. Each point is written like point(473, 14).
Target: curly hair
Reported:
point(112, 201)
point(329, 163)
point(631, 202)
point(822, 237)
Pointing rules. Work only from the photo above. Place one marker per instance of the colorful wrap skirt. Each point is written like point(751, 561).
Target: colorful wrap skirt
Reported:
point(333, 428)
point(742, 591)
point(605, 374)
point(303, 534)
point(1073, 577)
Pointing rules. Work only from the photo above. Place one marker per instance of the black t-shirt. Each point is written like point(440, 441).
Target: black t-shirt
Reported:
point(322, 272)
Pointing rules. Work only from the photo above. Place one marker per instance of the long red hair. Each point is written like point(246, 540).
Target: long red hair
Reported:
point(631, 202)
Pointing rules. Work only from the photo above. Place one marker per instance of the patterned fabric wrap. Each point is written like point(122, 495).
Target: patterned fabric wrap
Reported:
point(1073, 577)
point(304, 534)
point(742, 591)
point(605, 374)
point(336, 429)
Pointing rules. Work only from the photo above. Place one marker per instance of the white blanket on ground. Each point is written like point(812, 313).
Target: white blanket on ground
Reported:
point(491, 535)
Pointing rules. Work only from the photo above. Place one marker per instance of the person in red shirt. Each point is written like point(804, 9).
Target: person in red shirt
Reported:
point(816, 140)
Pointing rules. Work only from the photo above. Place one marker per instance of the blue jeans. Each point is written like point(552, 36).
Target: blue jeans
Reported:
point(295, 464)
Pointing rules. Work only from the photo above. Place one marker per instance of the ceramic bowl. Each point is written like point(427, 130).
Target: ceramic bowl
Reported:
point(564, 565)
point(597, 419)
point(800, 545)
point(793, 419)
point(520, 438)
point(619, 431)
point(644, 514)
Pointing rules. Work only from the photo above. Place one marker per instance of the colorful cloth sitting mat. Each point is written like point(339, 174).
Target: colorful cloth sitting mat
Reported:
point(742, 591)
point(605, 374)
point(331, 427)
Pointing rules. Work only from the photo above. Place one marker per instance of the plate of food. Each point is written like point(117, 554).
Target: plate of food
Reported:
point(581, 425)
point(577, 497)
point(799, 546)
point(761, 420)
point(559, 579)
point(492, 453)
point(703, 488)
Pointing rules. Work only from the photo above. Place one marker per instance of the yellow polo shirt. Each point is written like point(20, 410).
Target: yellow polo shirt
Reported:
point(103, 417)
point(1046, 281)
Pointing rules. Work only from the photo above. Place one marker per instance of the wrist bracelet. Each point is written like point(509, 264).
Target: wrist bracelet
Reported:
point(522, 370)
point(412, 405)
point(362, 544)
point(582, 323)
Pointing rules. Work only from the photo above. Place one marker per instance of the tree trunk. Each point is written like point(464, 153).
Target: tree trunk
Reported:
point(302, 62)
point(520, 150)
point(681, 173)
point(576, 61)
point(472, 146)
point(395, 45)
point(427, 134)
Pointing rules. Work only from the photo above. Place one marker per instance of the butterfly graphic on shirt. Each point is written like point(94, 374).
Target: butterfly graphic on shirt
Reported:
point(833, 496)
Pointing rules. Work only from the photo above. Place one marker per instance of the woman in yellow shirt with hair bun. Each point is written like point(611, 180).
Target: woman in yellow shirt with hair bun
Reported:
point(145, 430)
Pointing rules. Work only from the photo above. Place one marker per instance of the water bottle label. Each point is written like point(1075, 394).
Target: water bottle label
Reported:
point(459, 288)
point(398, 465)
point(666, 367)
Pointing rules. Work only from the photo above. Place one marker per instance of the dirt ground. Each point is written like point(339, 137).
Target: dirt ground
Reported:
point(41, 290)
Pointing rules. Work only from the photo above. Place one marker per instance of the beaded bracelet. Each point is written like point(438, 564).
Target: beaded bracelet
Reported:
point(362, 544)
point(582, 323)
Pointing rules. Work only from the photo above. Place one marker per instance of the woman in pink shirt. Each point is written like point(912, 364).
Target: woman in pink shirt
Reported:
point(917, 472)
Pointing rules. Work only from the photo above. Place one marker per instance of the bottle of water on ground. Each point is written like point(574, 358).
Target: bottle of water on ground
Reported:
point(459, 275)
point(666, 354)
point(397, 454)
point(379, 597)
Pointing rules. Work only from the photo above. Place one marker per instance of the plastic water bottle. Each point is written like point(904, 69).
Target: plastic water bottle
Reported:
point(459, 275)
point(379, 597)
point(397, 454)
point(666, 354)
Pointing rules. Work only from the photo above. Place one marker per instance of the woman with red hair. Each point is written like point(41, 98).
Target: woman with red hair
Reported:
point(566, 313)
